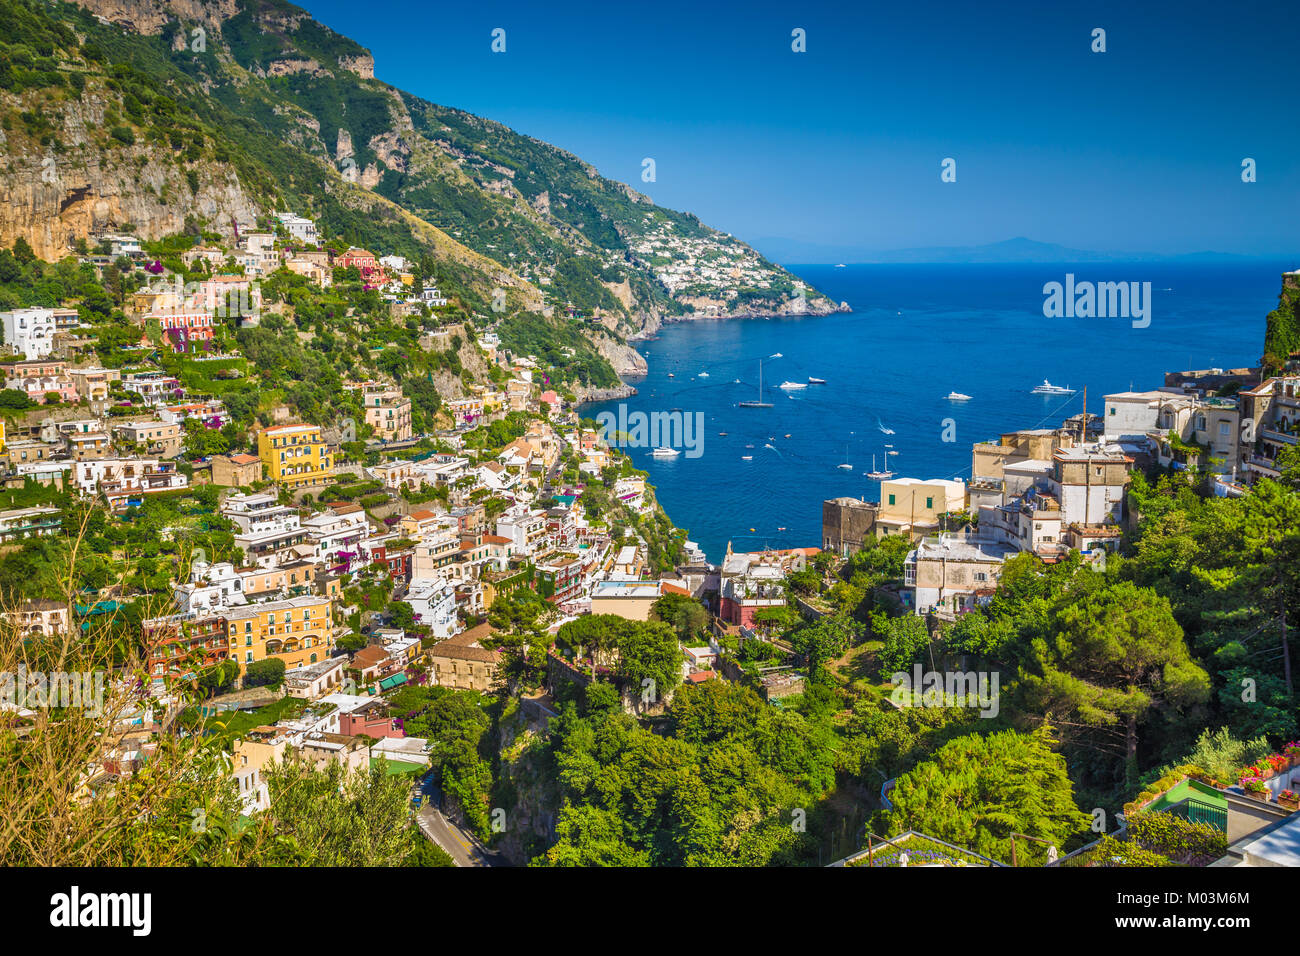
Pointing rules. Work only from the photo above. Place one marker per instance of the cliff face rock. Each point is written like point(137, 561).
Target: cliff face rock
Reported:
point(53, 199)
point(292, 66)
point(149, 17)
point(625, 359)
point(363, 65)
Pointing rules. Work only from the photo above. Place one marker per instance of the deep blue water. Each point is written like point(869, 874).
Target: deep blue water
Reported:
point(916, 333)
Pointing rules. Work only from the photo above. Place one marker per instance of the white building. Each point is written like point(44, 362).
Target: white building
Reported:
point(434, 604)
point(30, 332)
point(304, 230)
point(1130, 415)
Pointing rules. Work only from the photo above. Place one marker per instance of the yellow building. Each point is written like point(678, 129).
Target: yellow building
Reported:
point(295, 455)
point(297, 631)
point(912, 506)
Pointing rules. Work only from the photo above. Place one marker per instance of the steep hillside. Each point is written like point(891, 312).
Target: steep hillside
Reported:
point(1282, 331)
point(164, 115)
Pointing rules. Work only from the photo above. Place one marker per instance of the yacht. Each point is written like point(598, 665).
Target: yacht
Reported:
point(957, 397)
point(881, 475)
point(816, 381)
point(665, 453)
point(777, 355)
point(1047, 388)
point(704, 375)
point(791, 386)
point(746, 457)
point(760, 403)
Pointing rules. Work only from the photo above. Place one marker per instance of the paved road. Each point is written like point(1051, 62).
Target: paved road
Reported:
point(463, 847)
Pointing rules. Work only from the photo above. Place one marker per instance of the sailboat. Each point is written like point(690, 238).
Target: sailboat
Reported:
point(886, 473)
point(760, 403)
point(846, 466)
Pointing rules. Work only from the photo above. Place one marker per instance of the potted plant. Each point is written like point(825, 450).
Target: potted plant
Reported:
point(1279, 763)
point(1289, 799)
point(1255, 789)
point(1292, 750)
point(1263, 770)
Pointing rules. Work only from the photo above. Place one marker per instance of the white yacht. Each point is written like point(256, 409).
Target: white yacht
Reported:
point(957, 397)
point(792, 386)
point(1047, 388)
point(665, 453)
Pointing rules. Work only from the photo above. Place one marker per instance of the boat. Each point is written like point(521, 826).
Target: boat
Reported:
point(879, 475)
point(957, 397)
point(790, 386)
point(816, 381)
point(846, 466)
point(703, 375)
point(787, 435)
point(1047, 388)
point(881, 426)
point(780, 527)
point(722, 434)
point(839, 265)
point(671, 375)
point(666, 452)
point(777, 355)
point(746, 457)
point(760, 403)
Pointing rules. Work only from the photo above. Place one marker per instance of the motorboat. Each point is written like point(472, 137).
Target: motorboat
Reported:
point(816, 381)
point(666, 452)
point(1047, 388)
point(957, 397)
point(791, 386)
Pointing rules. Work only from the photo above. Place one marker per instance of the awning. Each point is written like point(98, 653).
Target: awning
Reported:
point(393, 680)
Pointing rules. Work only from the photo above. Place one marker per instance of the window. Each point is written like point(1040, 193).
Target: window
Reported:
point(1112, 410)
point(1223, 429)
point(929, 502)
point(891, 499)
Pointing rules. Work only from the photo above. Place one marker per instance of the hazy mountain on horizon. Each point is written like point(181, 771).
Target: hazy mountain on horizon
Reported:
point(1019, 249)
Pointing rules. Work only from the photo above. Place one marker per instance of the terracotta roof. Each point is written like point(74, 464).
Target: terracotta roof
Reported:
point(244, 459)
point(369, 656)
point(465, 646)
point(423, 515)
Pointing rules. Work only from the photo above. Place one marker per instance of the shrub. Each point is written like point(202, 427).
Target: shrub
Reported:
point(268, 673)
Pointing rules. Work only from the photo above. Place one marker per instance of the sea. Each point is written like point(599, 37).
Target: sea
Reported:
point(915, 334)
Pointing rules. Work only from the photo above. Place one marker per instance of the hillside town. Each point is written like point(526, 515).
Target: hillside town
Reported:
point(1048, 492)
point(312, 555)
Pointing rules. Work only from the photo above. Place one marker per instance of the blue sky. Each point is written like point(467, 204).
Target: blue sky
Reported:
point(1136, 149)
